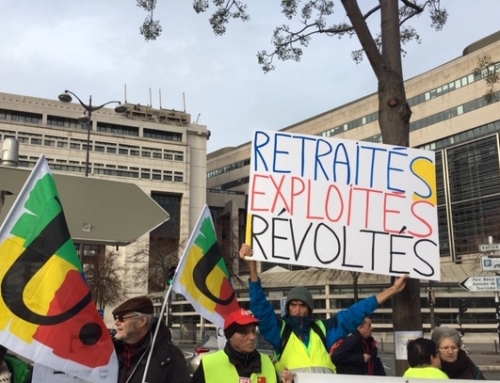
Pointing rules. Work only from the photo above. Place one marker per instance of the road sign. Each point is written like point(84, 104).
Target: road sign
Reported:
point(283, 306)
point(490, 264)
point(97, 211)
point(480, 284)
point(489, 247)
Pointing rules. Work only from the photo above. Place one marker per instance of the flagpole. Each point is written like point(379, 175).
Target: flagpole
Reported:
point(163, 306)
point(155, 334)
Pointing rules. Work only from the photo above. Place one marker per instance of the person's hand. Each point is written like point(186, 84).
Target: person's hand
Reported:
point(367, 357)
point(287, 376)
point(396, 288)
point(245, 251)
point(400, 283)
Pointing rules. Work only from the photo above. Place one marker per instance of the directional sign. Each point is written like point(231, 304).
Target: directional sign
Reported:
point(96, 210)
point(490, 264)
point(480, 284)
point(489, 247)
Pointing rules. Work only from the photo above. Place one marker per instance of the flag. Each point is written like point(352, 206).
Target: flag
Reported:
point(202, 276)
point(47, 313)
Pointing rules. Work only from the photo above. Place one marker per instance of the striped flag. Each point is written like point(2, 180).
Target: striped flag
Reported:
point(47, 313)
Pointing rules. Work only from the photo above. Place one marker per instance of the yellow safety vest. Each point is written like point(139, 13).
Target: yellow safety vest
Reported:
point(296, 357)
point(427, 372)
point(218, 369)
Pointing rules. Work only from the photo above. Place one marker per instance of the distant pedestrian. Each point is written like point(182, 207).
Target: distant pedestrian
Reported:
point(423, 360)
point(358, 353)
point(454, 360)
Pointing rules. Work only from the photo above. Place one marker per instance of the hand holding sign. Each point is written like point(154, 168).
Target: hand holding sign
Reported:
point(245, 252)
point(397, 287)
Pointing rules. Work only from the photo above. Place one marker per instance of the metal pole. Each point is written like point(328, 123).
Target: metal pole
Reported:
point(431, 306)
point(497, 308)
point(89, 126)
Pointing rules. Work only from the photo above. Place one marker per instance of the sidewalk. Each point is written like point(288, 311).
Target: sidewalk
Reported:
point(482, 354)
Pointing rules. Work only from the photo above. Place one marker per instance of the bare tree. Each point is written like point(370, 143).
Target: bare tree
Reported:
point(152, 263)
point(104, 276)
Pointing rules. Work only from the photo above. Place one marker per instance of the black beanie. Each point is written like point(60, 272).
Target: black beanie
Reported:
point(300, 293)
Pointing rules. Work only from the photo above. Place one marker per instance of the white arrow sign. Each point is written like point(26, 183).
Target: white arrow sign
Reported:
point(489, 247)
point(490, 264)
point(477, 284)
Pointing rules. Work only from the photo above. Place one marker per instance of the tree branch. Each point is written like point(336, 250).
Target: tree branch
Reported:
point(413, 6)
point(365, 37)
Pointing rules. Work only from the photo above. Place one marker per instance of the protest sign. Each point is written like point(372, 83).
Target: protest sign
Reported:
point(343, 204)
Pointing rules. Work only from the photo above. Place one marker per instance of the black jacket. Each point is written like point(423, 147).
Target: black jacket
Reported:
point(462, 368)
point(168, 364)
point(349, 359)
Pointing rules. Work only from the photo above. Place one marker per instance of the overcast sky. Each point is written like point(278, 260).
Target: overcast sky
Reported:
point(93, 47)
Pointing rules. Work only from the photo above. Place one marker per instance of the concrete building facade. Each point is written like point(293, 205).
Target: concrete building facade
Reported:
point(160, 150)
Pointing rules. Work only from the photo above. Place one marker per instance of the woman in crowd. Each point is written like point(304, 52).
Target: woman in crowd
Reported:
point(423, 360)
point(454, 361)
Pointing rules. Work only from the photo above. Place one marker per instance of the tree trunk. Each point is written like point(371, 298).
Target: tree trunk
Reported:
point(355, 277)
point(394, 120)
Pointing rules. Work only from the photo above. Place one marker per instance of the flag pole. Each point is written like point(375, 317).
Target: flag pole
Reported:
point(155, 334)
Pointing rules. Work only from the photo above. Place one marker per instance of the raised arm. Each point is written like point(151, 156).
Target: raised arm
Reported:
point(270, 324)
point(397, 287)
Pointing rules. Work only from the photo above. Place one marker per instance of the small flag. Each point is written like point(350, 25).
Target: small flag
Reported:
point(202, 276)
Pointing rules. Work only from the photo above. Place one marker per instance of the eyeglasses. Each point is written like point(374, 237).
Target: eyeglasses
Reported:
point(121, 318)
point(449, 348)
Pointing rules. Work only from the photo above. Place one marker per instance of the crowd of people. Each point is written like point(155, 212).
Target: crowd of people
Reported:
point(342, 344)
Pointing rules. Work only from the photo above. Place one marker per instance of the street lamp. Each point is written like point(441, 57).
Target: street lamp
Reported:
point(86, 118)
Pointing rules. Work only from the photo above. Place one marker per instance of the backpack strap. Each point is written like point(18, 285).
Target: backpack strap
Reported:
point(320, 332)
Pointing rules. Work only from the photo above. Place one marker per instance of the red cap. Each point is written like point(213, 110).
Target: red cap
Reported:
point(241, 317)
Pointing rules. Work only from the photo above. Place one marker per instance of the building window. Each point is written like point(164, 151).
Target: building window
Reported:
point(117, 129)
point(162, 135)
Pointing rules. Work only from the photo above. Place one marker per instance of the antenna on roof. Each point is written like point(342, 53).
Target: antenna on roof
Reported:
point(197, 118)
point(159, 94)
point(125, 90)
point(184, 101)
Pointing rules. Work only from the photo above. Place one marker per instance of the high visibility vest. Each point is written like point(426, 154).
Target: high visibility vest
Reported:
point(296, 357)
point(218, 369)
point(427, 372)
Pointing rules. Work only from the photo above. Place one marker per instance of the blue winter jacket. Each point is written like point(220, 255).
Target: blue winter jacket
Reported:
point(337, 327)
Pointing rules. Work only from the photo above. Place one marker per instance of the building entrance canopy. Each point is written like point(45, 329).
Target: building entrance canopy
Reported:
point(97, 211)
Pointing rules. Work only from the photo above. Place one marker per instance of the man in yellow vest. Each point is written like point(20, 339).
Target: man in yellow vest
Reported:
point(239, 361)
point(300, 342)
point(424, 360)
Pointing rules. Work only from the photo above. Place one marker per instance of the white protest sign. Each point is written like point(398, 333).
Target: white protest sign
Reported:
point(303, 377)
point(343, 204)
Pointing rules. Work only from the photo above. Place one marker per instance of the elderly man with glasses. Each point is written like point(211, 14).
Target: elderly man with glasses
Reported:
point(135, 323)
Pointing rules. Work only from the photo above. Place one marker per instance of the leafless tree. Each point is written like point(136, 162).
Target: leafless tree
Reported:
point(104, 276)
point(154, 260)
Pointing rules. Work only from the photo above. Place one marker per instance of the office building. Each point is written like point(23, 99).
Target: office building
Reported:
point(160, 150)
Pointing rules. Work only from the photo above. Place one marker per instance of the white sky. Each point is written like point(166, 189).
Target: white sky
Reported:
point(93, 47)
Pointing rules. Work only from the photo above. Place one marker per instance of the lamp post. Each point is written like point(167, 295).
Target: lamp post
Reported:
point(86, 118)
